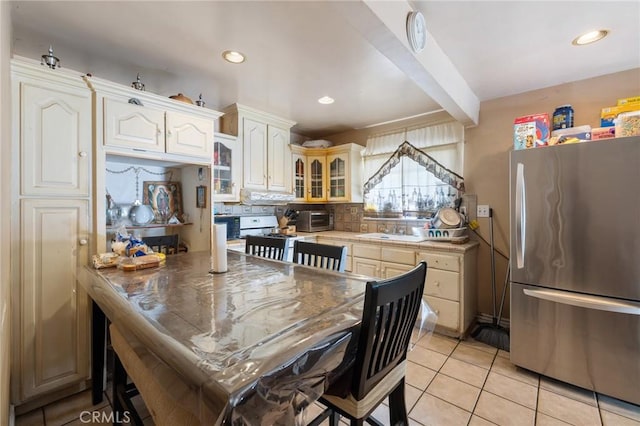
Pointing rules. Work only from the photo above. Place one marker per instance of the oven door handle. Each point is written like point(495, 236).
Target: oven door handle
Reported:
point(586, 301)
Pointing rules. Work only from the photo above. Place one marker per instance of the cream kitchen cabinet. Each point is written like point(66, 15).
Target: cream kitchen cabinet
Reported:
point(344, 173)
point(53, 327)
point(226, 168)
point(51, 195)
point(327, 174)
point(450, 288)
point(379, 261)
point(265, 144)
point(55, 134)
point(140, 124)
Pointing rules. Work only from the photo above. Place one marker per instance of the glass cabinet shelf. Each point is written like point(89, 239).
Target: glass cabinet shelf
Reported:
point(150, 226)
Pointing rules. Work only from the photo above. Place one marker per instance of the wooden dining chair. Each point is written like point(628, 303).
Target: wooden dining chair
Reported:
point(320, 255)
point(390, 310)
point(271, 247)
point(167, 244)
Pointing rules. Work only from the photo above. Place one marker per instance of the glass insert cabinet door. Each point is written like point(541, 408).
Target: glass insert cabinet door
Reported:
point(222, 169)
point(298, 177)
point(317, 173)
point(337, 178)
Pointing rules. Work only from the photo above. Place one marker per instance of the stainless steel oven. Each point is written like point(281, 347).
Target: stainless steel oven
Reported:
point(314, 220)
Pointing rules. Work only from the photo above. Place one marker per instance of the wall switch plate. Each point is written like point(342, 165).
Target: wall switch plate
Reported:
point(483, 210)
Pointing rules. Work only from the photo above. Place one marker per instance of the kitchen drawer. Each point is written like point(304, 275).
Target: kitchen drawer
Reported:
point(444, 284)
point(367, 251)
point(396, 255)
point(440, 261)
point(446, 310)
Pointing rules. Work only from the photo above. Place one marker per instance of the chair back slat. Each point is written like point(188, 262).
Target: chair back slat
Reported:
point(167, 244)
point(320, 255)
point(270, 247)
point(390, 310)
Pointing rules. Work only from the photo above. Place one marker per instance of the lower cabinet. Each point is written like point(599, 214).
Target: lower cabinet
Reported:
point(52, 344)
point(449, 286)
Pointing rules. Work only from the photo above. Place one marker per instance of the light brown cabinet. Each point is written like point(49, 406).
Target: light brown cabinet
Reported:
point(327, 174)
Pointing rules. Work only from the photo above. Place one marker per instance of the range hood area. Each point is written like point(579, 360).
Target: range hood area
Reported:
point(264, 198)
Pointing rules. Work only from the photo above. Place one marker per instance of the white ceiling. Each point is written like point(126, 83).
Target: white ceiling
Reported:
point(299, 51)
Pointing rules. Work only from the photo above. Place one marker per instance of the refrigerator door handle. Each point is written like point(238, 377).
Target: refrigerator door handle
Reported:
point(521, 216)
point(586, 301)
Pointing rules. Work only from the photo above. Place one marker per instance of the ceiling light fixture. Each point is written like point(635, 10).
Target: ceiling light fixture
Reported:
point(590, 37)
point(233, 56)
point(326, 100)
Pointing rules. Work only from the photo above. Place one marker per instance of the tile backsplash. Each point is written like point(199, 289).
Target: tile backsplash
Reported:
point(348, 217)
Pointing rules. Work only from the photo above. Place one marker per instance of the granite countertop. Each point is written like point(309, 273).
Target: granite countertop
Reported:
point(231, 334)
point(429, 245)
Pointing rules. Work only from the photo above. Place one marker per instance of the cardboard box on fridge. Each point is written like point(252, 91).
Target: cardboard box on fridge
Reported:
point(609, 114)
point(531, 131)
point(632, 100)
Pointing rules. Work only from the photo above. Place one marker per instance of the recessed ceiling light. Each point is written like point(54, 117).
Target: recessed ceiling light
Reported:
point(590, 37)
point(233, 56)
point(326, 100)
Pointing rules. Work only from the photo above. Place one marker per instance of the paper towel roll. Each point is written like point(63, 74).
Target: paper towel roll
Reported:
point(219, 248)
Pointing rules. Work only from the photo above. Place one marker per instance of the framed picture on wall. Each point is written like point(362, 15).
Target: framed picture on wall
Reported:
point(165, 198)
point(201, 197)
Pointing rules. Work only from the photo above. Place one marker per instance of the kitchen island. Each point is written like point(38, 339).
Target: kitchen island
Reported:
point(260, 340)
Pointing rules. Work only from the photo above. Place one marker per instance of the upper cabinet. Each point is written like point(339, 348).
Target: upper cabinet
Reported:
point(265, 142)
point(327, 174)
point(54, 128)
point(227, 168)
point(140, 124)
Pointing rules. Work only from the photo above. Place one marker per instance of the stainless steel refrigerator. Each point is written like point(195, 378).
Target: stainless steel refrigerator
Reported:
point(575, 264)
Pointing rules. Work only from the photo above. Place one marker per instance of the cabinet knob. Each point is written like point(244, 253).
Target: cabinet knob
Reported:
point(169, 132)
point(437, 311)
point(437, 283)
point(158, 130)
point(82, 154)
point(83, 242)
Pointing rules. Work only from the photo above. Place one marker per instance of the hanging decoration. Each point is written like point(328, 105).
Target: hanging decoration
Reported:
point(430, 164)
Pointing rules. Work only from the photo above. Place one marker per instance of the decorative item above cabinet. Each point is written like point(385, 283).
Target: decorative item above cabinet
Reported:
point(140, 124)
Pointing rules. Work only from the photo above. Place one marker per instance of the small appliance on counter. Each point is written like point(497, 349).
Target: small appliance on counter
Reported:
point(233, 225)
point(314, 221)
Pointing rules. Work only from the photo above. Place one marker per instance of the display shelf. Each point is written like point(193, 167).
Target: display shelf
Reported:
point(150, 226)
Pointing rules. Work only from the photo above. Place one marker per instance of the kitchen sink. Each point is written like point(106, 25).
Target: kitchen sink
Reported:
point(392, 237)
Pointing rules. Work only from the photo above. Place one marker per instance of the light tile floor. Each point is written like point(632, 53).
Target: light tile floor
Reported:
point(450, 383)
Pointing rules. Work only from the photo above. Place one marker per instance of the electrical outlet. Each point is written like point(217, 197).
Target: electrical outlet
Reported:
point(483, 210)
point(354, 210)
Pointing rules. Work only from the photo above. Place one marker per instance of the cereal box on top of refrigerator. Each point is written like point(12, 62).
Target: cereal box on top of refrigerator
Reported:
point(531, 131)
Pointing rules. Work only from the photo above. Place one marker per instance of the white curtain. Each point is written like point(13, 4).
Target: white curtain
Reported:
point(444, 142)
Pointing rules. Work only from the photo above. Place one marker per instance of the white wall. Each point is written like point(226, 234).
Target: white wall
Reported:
point(5, 145)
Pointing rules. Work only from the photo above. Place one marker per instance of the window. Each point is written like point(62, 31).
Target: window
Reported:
point(403, 181)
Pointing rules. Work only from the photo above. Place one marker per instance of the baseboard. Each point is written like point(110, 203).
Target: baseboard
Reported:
point(488, 319)
point(12, 415)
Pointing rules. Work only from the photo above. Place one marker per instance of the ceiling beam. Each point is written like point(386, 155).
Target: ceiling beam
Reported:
point(383, 24)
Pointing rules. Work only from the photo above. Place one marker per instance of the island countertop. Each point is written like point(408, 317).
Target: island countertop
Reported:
point(233, 335)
